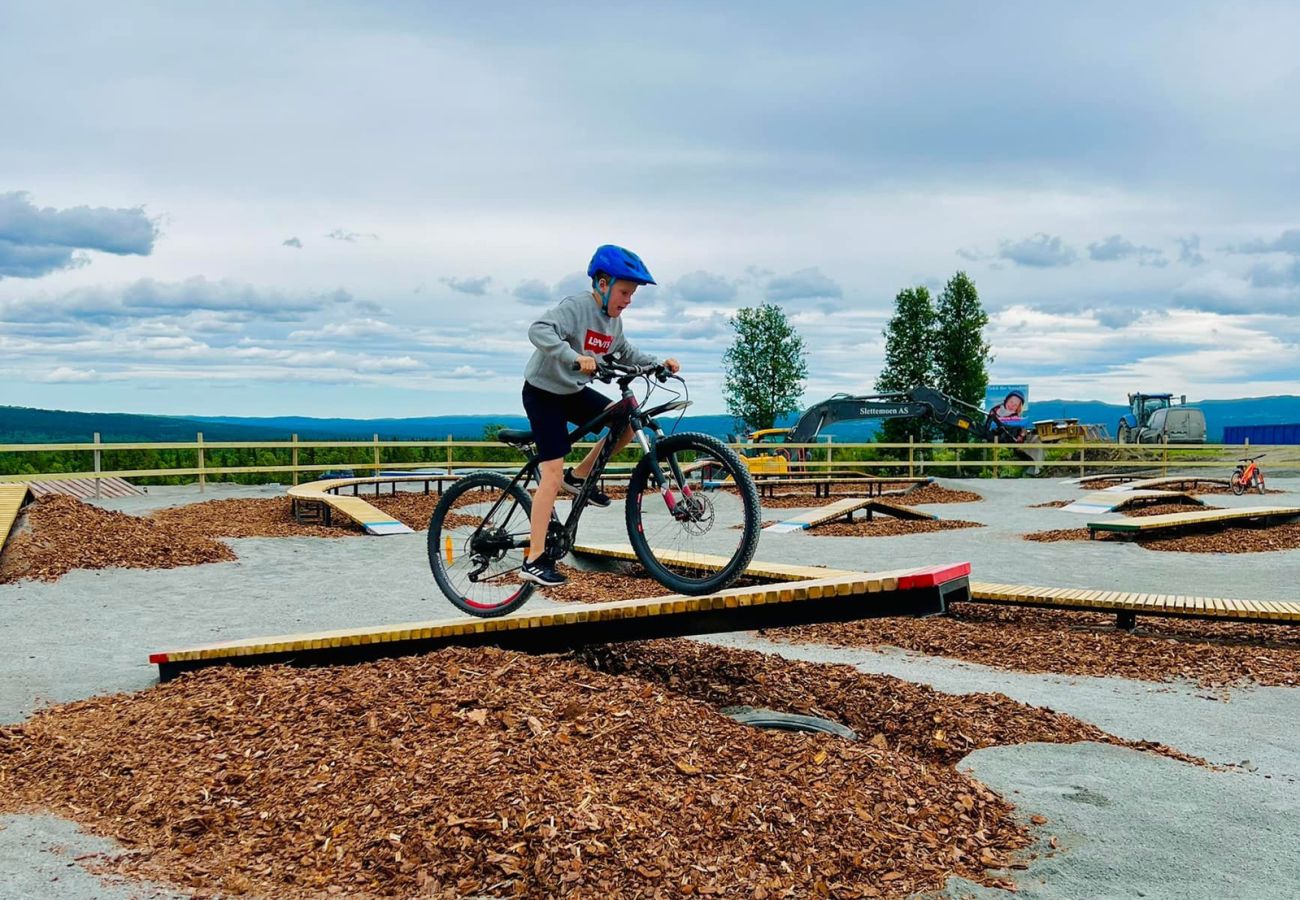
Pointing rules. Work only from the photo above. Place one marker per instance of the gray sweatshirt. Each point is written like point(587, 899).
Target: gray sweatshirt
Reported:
point(575, 327)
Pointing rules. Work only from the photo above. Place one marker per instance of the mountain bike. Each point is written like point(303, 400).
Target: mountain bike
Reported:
point(690, 538)
point(1248, 475)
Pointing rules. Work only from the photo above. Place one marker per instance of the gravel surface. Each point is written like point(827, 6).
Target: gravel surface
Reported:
point(90, 633)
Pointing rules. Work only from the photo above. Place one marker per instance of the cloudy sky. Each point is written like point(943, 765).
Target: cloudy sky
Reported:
point(357, 209)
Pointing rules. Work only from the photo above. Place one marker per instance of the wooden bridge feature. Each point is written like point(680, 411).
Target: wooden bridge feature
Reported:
point(870, 485)
point(1204, 519)
point(1113, 501)
point(831, 597)
point(12, 498)
point(1128, 605)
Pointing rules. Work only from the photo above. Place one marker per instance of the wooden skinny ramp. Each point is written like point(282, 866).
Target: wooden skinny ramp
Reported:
point(1128, 605)
point(1110, 501)
point(846, 507)
point(1199, 519)
point(836, 598)
point(705, 562)
point(12, 498)
point(1106, 476)
point(1144, 483)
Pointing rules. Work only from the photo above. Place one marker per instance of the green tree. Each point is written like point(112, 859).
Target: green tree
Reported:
point(765, 366)
point(910, 345)
point(961, 354)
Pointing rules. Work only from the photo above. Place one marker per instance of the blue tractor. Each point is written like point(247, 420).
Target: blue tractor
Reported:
point(1155, 418)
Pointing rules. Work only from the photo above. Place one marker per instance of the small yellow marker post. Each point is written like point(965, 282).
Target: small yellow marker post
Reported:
point(447, 549)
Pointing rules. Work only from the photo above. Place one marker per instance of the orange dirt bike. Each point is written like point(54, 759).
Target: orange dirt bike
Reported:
point(479, 532)
point(1247, 475)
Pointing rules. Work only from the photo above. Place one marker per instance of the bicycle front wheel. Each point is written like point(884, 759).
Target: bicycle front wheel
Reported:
point(697, 533)
point(474, 535)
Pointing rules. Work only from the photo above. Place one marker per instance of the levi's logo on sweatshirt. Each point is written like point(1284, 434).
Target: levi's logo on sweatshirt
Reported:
point(597, 342)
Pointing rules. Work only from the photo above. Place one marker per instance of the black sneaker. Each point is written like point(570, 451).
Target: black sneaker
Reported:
point(542, 571)
point(573, 485)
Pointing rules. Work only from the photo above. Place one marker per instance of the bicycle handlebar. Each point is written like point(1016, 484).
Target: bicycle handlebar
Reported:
point(608, 370)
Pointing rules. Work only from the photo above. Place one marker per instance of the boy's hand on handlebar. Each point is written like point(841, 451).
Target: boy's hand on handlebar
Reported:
point(587, 365)
point(672, 365)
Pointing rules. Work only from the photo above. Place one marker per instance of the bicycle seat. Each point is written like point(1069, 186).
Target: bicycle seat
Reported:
point(515, 436)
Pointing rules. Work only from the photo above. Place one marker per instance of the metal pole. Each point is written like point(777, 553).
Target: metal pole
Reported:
point(295, 459)
point(97, 465)
point(202, 477)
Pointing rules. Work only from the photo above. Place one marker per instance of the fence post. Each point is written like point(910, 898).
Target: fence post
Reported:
point(829, 450)
point(1081, 467)
point(376, 454)
point(1164, 470)
point(911, 470)
point(202, 478)
point(97, 465)
point(449, 464)
point(294, 461)
point(997, 470)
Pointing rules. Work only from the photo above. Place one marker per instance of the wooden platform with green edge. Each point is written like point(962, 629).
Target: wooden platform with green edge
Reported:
point(845, 509)
point(1145, 483)
point(1112, 501)
point(833, 597)
point(1085, 480)
point(872, 486)
point(1127, 605)
point(1201, 519)
point(12, 498)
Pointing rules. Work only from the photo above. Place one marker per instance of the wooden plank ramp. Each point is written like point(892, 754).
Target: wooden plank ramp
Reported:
point(12, 498)
point(1129, 604)
point(838, 597)
point(1145, 483)
point(1198, 519)
point(1111, 501)
point(840, 508)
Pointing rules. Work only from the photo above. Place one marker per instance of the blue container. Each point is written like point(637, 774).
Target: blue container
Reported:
point(1261, 434)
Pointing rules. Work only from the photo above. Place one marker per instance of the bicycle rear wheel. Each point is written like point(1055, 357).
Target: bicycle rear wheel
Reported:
point(699, 536)
point(472, 534)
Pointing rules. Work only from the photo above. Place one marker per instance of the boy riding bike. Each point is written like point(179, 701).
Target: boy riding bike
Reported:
point(569, 339)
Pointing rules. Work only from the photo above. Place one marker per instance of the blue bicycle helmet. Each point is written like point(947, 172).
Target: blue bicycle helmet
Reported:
point(617, 263)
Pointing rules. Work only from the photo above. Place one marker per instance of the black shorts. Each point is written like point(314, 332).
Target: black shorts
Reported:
point(549, 415)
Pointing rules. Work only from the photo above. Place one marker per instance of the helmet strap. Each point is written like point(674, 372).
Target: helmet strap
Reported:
point(604, 295)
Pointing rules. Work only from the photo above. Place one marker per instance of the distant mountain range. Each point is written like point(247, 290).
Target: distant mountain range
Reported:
point(24, 425)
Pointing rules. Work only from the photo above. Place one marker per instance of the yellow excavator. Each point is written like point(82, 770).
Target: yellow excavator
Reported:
point(920, 402)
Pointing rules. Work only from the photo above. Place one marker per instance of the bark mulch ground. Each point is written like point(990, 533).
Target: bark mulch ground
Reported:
point(629, 584)
point(1198, 489)
point(1082, 643)
point(885, 526)
point(891, 713)
point(1051, 504)
point(935, 493)
point(485, 773)
point(61, 534)
point(256, 517)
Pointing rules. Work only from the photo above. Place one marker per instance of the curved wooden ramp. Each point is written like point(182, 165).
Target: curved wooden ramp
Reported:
point(324, 495)
point(833, 597)
point(1157, 483)
point(12, 498)
point(845, 509)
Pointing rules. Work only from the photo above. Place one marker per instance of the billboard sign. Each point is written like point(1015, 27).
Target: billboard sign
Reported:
point(1009, 402)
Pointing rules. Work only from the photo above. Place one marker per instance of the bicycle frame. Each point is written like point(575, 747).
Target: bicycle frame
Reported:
point(622, 413)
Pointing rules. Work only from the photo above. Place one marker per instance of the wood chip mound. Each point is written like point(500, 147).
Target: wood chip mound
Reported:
point(935, 493)
point(885, 526)
point(1051, 504)
point(1082, 643)
point(629, 583)
point(62, 534)
point(485, 773)
point(248, 518)
point(914, 719)
point(1054, 535)
point(1235, 539)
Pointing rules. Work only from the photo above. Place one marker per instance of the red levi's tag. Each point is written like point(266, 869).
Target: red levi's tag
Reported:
point(598, 343)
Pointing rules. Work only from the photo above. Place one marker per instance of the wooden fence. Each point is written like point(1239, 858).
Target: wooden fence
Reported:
point(979, 459)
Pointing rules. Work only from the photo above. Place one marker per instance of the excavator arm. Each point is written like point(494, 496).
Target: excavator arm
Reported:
point(918, 403)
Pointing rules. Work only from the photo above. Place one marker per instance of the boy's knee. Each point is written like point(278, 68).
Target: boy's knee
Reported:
point(550, 472)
